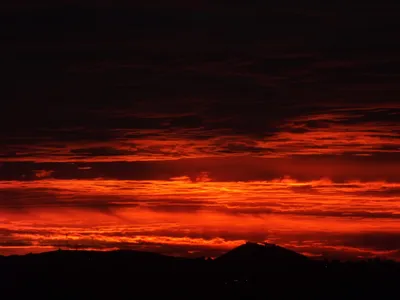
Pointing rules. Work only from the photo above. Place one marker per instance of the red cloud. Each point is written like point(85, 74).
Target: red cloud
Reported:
point(43, 173)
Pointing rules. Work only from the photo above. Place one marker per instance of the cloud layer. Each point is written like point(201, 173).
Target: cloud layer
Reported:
point(201, 215)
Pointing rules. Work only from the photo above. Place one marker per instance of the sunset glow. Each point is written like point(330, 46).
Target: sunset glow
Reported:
point(199, 216)
point(191, 128)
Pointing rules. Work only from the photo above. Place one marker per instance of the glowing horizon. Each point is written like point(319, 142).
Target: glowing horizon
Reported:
point(200, 215)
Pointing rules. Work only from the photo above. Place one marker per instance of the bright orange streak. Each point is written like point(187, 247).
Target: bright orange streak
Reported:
point(280, 195)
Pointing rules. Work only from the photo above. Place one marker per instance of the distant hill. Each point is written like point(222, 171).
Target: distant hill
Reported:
point(247, 253)
point(249, 271)
point(257, 257)
point(262, 253)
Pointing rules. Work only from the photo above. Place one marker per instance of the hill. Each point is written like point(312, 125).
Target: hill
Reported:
point(256, 253)
point(250, 271)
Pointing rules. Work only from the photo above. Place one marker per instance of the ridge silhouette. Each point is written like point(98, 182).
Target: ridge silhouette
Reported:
point(262, 252)
point(249, 271)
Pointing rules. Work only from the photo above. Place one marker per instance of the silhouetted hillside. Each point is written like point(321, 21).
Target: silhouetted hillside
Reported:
point(255, 254)
point(250, 271)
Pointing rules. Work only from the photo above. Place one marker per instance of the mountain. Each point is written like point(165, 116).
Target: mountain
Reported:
point(261, 255)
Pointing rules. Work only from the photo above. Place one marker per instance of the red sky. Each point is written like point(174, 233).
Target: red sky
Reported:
point(124, 129)
point(315, 217)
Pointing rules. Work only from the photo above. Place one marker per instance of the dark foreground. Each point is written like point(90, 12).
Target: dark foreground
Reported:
point(251, 271)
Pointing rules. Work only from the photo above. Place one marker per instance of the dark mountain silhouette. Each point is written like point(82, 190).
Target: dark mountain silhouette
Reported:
point(257, 253)
point(250, 271)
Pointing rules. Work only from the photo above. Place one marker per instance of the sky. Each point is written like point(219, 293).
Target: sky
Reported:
point(189, 128)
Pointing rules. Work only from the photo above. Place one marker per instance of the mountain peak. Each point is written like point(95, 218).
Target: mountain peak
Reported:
point(253, 252)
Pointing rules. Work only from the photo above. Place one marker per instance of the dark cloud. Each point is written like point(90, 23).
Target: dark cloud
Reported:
point(53, 198)
point(100, 151)
point(175, 208)
point(191, 67)
point(241, 168)
point(374, 241)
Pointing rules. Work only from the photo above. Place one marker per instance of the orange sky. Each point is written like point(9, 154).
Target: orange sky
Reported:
point(201, 216)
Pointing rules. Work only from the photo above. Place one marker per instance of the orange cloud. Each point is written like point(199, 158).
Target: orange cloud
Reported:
point(43, 173)
point(203, 177)
point(195, 214)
